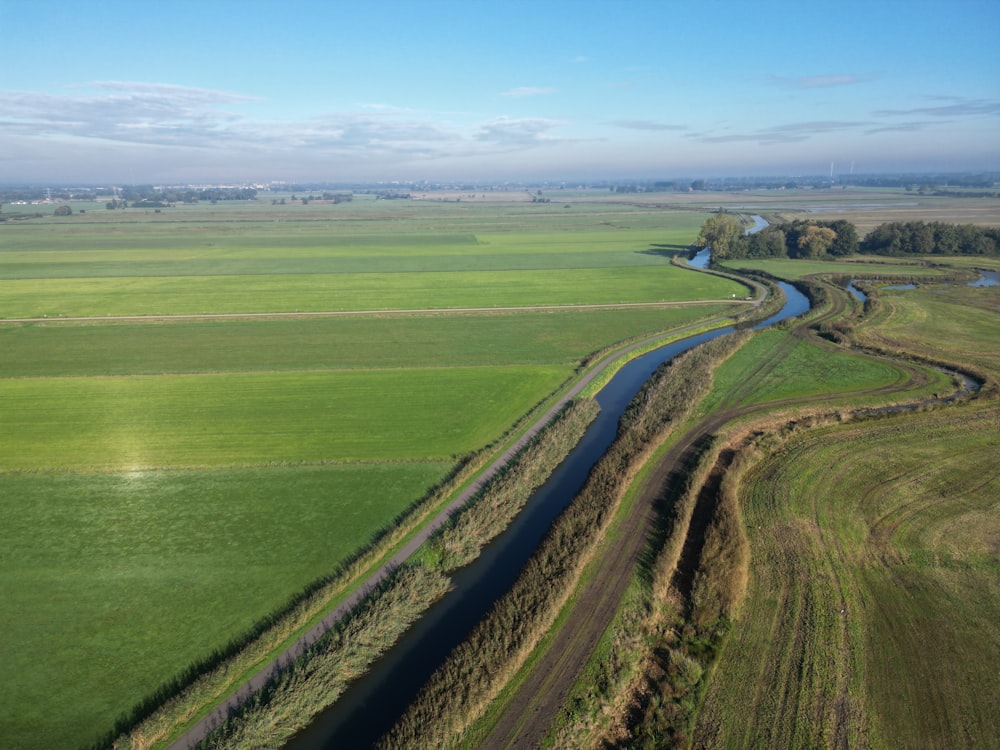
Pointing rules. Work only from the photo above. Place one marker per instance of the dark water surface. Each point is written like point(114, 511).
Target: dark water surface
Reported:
point(373, 703)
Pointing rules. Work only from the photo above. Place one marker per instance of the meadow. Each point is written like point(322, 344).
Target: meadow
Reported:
point(167, 483)
point(827, 575)
point(872, 604)
point(872, 589)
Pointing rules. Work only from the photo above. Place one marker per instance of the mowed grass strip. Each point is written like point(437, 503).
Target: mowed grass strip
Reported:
point(366, 291)
point(803, 370)
point(113, 583)
point(107, 423)
point(283, 266)
point(390, 341)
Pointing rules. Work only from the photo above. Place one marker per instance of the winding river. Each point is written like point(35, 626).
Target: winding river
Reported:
point(374, 702)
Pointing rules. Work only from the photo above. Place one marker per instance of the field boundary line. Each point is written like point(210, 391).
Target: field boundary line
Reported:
point(340, 313)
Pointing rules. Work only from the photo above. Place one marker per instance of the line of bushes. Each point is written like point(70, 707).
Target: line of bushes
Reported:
point(476, 670)
point(299, 691)
point(637, 655)
point(682, 657)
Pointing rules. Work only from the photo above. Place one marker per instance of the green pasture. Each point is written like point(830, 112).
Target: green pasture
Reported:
point(114, 582)
point(222, 420)
point(360, 291)
point(552, 337)
point(953, 321)
point(800, 369)
point(164, 485)
point(872, 613)
point(860, 265)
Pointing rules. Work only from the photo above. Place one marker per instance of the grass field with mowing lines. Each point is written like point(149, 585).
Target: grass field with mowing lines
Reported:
point(29, 298)
point(114, 423)
point(356, 342)
point(873, 603)
point(872, 610)
point(806, 370)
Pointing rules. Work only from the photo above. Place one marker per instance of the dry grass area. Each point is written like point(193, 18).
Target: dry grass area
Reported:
point(872, 612)
point(871, 617)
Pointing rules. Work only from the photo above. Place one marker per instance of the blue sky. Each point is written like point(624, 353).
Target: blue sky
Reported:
point(325, 91)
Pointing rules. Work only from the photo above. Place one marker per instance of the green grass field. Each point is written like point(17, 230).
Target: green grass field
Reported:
point(175, 295)
point(804, 370)
point(164, 485)
point(113, 582)
point(559, 337)
point(860, 265)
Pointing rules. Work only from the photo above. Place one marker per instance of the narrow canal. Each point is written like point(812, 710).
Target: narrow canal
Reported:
point(372, 704)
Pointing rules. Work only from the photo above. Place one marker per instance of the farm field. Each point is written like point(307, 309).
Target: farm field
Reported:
point(872, 598)
point(865, 207)
point(860, 265)
point(872, 605)
point(165, 484)
point(871, 542)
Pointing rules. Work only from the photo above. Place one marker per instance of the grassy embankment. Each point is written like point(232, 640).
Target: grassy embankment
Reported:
point(146, 466)
point(847, 585)
point(686, 600)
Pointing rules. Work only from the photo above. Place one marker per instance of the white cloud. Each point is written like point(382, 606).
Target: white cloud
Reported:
point(958, 108)
point(645, 125)
point(522, 133)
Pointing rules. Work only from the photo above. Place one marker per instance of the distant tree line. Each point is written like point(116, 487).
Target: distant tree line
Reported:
point(140, 193)
point(931, 238)
point(821, 239)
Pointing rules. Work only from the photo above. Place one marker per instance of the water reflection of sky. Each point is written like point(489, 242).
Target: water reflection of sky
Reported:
point(988, 278)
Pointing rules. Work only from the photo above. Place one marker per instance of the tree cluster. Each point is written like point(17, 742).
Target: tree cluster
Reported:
point(795, 239)
point(931, 238)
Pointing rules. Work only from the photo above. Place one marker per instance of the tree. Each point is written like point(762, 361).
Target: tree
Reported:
point(846, 242)
point(723, 233)
point(768, 243)
point(815, 241)
point(63, 210)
